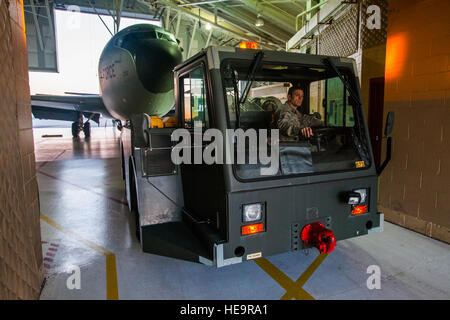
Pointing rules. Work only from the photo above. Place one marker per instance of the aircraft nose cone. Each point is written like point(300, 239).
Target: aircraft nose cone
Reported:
point(155, 61)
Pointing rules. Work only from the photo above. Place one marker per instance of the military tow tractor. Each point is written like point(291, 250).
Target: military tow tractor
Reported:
point(324, 189)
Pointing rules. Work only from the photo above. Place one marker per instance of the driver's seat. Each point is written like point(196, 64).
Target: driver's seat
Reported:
point(271, 105)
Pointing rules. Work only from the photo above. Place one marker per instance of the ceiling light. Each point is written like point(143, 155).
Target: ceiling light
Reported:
point(208, 26)
point(259, 22)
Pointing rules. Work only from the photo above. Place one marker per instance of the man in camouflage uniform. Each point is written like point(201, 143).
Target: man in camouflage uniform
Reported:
point(292, 122)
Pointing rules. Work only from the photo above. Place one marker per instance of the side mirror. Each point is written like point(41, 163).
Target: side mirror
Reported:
point(387, 133)
point(389, 123)
point(140, 123)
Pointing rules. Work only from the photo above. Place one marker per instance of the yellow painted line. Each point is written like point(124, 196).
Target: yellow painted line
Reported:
point(283, 280)
point(306, 275)
point(112, 290)
point(293, 289)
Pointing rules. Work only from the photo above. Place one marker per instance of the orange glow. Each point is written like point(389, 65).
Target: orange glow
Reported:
point(396, 52)
point(248, 45)
point(359, 210)
point(252, 229)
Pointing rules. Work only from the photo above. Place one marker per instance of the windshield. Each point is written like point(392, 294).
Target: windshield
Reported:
point(338, 142)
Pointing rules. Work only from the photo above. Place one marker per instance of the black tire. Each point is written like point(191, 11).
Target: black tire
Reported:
point(75, 129)
point(122, 158)
point(133, 199)
point(87, 129)
point(119, 125)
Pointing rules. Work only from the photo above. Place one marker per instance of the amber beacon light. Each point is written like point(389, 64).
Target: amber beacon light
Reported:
point(248, 45)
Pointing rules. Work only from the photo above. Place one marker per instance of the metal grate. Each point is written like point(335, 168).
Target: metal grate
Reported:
point(156, 160)
point(374, 37)
point(341, 37)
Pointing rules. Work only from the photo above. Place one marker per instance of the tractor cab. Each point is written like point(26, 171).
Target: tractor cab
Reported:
point(246, 189)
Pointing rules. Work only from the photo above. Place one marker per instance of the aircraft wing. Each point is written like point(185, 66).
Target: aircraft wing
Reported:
point(67, 107)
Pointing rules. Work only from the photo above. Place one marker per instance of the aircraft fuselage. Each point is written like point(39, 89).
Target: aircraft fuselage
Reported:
point(136, 71)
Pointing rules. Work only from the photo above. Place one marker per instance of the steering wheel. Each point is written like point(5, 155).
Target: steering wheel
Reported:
point(323, 131)
point(321, 135)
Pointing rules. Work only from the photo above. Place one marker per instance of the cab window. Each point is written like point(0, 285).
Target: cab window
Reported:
point(194, 99)
point(330, 99)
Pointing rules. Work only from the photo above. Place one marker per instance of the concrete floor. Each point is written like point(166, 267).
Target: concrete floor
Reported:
point(85, 222)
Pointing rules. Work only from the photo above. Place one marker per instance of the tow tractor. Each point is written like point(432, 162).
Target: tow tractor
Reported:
point(325, 189)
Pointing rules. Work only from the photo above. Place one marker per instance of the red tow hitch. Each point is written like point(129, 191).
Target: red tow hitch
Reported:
point(316, 235)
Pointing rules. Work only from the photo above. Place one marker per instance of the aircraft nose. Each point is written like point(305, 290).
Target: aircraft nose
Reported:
point(155, 61)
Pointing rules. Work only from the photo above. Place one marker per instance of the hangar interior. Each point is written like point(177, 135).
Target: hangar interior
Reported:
point(64, 207)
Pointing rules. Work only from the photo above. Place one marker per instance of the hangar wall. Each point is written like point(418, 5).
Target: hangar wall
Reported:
point(414, 189)
point(349, 36)
point(21, 272)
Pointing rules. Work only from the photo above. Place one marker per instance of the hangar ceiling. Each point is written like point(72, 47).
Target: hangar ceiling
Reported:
point(273, 23)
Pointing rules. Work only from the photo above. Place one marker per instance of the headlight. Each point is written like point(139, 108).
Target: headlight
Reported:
point(252, 212)
point(363, 194)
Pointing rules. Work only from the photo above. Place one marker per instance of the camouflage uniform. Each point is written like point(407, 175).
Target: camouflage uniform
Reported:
point(290, 122)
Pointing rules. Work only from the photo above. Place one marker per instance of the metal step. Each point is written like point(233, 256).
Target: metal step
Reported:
point(173, 239)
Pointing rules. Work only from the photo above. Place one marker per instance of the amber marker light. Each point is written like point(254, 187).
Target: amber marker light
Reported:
point(358, 210)
point(248, 45)
point(252, 229)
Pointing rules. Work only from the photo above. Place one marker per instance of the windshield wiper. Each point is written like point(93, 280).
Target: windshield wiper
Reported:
point(236, 99)
point(360, 142)
point(329, 63)
point(250, 77)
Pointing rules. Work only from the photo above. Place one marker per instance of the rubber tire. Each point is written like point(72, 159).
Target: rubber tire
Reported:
point(133, 199)
point(122, 158)
point(75, 129)
point(119, 125)
point(87, 130)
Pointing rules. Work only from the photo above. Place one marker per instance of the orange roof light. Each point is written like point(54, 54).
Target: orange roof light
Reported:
point(248, 45)
point(252, 229)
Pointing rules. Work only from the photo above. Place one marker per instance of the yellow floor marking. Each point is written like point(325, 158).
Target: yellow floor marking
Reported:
point(112, 291)
point(306, 275)
point(293, 289)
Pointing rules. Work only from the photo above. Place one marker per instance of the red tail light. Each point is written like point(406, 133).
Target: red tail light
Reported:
point(316, 235)
point(359, 210)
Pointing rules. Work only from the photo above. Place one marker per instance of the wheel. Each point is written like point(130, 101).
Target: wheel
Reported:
point(122, 158)
point(76, 128)
point(87, 129)
point(133, 199)
point(119, 125)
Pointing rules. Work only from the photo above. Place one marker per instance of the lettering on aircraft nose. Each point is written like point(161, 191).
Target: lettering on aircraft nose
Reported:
point(108, 72)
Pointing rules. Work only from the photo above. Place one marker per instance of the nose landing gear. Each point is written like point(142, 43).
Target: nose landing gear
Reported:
point(77, 126)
